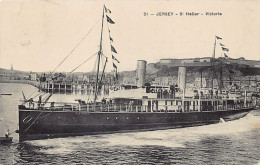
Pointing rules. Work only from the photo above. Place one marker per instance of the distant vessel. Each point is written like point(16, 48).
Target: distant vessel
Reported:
point(6, 94)
point(158, 108)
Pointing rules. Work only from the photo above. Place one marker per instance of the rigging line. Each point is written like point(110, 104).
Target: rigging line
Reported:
point(81, 64)
point(33, 93)
point(33, 121)
point(45, 115)
point(74, 48)
point(102, 59)
point(46, 97)
point(95, 65)
point(104, 55)
point(104, 67)
point(38, 94)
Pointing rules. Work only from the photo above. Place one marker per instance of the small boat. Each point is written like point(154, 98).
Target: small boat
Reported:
point(4, 140)
point(6, 94)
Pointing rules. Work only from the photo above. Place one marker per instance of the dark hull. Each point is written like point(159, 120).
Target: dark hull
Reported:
point(37, 124)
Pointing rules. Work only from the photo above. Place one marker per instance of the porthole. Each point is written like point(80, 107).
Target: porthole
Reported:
point(138, 118)
point(127, 118)
point(116, 118)
point(107, 118)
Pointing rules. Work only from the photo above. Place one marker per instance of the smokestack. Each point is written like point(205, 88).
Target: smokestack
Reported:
point(182, 78)
point(141, 72)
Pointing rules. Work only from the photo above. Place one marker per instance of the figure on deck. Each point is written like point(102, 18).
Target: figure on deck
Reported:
point(39, 101)
point(103, 100)
point(7, 134)
point(31, 103)
point(52, 105)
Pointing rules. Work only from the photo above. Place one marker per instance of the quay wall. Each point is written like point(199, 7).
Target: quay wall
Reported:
point(3, 80)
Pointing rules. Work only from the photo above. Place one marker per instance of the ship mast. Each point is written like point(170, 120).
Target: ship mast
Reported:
point(213, 64)
point(99, 54)
point(214, 52)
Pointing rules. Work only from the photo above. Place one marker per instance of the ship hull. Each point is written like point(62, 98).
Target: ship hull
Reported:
point(38, 124)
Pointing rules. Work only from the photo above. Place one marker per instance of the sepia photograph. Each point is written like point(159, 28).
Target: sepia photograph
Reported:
point(129, 82)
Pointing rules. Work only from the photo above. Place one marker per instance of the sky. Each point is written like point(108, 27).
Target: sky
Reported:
point(36, 35)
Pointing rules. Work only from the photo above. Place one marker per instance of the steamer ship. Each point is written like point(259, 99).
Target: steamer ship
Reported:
point(156, 108)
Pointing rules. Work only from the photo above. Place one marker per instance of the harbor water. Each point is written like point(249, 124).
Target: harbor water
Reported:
point(234, 142)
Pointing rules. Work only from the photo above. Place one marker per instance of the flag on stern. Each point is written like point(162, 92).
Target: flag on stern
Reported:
point(113, 49)
point(225, 49)
point(219, 38)
point(117, 76)
point(225, 55)
point(111, 39)
point(114, 58)
point(110, 20)
point(107, 10)
point(114, 66)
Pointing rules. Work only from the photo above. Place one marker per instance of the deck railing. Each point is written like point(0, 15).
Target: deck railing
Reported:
point(138, 108)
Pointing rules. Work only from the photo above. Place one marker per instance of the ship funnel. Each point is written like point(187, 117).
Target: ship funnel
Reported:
point(182, 78)
point(140, 73)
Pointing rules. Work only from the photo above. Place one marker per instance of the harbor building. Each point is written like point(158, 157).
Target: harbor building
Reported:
point(207, 61)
